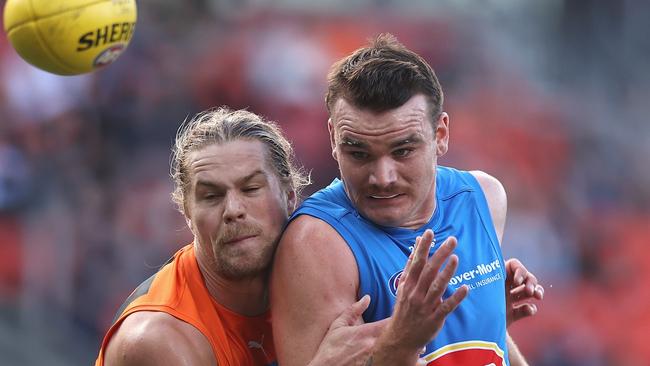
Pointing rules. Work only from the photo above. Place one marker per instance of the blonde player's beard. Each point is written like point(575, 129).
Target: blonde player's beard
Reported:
point(233, 231)
point(237, 262)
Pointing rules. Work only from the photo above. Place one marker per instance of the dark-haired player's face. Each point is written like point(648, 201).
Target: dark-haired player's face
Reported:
point(236, 207)
point(387, 160)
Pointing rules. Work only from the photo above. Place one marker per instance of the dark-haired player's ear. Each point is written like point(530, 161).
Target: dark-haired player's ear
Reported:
point(442, 134)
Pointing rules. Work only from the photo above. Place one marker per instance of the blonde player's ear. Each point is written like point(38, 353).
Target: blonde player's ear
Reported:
point(186, 214)
point(442, 134)
point(330, 128)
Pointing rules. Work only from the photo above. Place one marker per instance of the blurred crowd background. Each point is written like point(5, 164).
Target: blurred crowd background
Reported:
point(552, 97)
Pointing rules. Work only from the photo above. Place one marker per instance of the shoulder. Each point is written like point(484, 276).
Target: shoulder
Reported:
point(497, 200)
point(308, 238)
point(311, 250)
point(157, 338)
point(329, 202)
point(309, 231)
point(492, 187)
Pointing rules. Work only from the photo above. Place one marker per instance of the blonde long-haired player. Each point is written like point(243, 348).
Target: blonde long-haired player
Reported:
point(236, 184)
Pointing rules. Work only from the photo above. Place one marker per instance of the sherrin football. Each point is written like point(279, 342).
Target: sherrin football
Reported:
point(70, 37)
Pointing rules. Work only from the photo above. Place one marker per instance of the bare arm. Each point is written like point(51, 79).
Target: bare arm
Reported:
point(496, 198)
point(514, 355)
point(315, 278)
point(155, 338)
point(347, 342)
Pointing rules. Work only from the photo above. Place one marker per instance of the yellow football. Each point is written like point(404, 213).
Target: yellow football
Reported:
point(70, 37)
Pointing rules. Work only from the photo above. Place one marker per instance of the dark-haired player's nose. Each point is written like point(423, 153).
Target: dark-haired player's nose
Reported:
point(234, 208)
point(383, 174)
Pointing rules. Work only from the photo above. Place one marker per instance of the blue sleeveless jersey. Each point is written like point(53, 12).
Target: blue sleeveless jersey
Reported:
point(475, 333)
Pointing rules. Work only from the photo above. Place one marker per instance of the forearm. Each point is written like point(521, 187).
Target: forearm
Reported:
point(514, 355)
point(387, 353)
point(387, 358)
point(309, 253)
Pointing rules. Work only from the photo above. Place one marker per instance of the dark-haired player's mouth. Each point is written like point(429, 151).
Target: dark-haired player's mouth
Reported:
point(382, 197)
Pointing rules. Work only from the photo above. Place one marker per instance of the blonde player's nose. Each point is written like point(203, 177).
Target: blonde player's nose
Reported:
point(234, 207)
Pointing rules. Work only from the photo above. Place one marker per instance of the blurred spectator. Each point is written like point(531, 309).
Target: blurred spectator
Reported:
point(550, 97)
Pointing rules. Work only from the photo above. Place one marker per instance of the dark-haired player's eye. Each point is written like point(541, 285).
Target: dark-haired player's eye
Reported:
point(359, 155)
point(400, 153)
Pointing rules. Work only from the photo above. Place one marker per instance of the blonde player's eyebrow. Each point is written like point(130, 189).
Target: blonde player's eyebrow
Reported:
point(205, 183)
point(241, 181)
point(251, 176)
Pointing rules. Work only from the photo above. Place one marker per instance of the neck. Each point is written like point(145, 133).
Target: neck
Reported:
point(427, 209)
point(246, 296)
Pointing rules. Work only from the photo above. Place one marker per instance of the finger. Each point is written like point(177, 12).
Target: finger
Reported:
point(416, 262)
point(352, 314)
point(520, 275)
point(531, 283)
point(420, 259)
point(360, 306)
point(523, 311)
point(515, 272)
point(415, 245)
point(511, 265)
point(441, 281)
point(421, 251)
point(407, 267)
point(519, 293)
point(450, 304)
point(430, 272)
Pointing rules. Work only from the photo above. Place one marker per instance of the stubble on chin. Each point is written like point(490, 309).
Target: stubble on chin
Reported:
point(237, 263)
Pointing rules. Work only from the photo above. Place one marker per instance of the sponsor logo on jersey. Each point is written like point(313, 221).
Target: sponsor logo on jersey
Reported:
point(483, 274)
point(470, 353)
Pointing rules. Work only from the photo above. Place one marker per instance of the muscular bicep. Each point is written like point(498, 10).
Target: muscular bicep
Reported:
point(155, 338)
point(496, 198)
point(314, 278)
